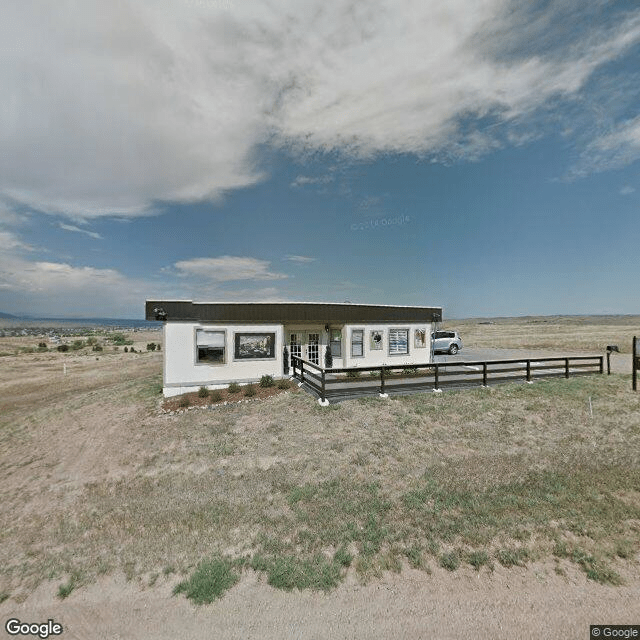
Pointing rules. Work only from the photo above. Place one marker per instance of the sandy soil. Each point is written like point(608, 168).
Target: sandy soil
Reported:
point(509, 603)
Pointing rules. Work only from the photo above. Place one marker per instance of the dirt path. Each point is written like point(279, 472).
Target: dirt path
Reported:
point(514, 603)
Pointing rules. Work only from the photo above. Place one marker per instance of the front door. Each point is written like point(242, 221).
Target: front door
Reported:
point(305, 345)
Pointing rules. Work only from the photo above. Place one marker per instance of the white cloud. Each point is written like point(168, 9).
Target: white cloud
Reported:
point(626, 191)
point(111, 108)
point(70, 227)
point(10, 242)
point(227, 268)
point(300, 259)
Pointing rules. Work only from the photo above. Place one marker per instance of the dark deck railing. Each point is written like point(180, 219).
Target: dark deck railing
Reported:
point(327, 383)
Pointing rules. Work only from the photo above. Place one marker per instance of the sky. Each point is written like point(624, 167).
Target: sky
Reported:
point(478, 155)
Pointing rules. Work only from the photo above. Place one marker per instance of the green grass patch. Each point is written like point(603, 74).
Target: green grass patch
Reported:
point(211, 579)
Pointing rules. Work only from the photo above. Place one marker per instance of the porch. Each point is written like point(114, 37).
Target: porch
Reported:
point(337, 384)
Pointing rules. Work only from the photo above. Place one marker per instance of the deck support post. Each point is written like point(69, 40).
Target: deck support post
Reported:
point(566, 367)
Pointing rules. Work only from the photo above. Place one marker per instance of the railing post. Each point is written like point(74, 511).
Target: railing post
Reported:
point(436, 385)
point(322, 397)
point(566, 367)
point(294, 365)
point(301, 370)
point(382, 381)
point(528, 370)
point(484, 374)
point(634, 381)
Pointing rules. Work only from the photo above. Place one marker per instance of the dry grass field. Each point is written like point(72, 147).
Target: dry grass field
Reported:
point(466, 508)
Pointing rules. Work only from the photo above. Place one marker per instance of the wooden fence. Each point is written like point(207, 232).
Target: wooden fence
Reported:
point(342, 383)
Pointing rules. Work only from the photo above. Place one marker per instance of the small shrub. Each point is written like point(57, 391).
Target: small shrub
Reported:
point(65, 590)
point(234, 387)
point(151, 346)
point(77, 345)
point(353, 374)
point(266, 381)
point(215, 396)
point(409, 371)
point(450, 561)
point(478, 558)
point(42, 345)
point(132, 350)
point(97, 347)
point(91, 341)
point(249, 391)
point(209, 581)
point(343, 557)
point(3, 596)
point(518, 557)
point(203, 392)
point(284, 384)
point(63, 347)
point(158, 347)
point(185, 401)
point(126, 349)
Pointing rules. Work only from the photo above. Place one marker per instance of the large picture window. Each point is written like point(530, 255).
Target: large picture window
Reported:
point(210, 346)
point(336, 343)
point(357, 343)
point(255, 346)
point(398, 341)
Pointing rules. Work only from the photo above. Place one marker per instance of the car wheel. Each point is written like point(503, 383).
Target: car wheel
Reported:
point(453, 349)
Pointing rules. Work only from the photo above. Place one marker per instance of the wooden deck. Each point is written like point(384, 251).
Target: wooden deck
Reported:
point(332, 385)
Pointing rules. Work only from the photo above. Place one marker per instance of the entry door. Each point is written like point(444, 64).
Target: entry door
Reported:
point(305, 345)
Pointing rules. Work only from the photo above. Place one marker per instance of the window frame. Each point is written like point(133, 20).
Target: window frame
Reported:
point(225, 358)
point(332, 342)
point(361, 332)
point(399, 353)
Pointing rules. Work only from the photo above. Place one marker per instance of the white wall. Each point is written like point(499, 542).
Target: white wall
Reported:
point(373, 357)
point(182, 374)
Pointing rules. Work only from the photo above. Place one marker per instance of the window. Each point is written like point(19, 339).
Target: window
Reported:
point(420, 338)
point(357, 343)
point(336, 343)
point(398, 341)
point(375, 343)
point(210, 347)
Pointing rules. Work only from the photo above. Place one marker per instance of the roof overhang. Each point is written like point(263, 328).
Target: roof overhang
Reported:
point(286, 312)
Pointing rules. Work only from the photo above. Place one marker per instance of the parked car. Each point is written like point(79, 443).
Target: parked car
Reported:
point(446, 341)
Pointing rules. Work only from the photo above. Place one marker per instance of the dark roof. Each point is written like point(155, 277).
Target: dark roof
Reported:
point(287, 312)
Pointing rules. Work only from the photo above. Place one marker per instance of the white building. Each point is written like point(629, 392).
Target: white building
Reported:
point(212, 344)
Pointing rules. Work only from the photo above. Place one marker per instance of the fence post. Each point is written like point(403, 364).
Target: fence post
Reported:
point(528, 370)
point(566, 367)
point(634, 381)
point(436, 386)
point(484, 374)
point(294, 365)
point(301, 370)
point(382, 381)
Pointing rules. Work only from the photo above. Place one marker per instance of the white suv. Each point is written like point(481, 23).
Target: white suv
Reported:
point(447, 341)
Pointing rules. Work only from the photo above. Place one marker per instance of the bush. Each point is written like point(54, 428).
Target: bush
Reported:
point(328, 358)
point(97, 347)
point(266, 381)
point(185, 401)
point(215, 395)
point(234, 387)
point(353, 374)
point(42, 345)
point(203, 392)
point(284, 384)
point(209, 581)
point(63, 347)
point(77, 345)
point(249, 391)
point(126, 349)
point(132, 350)
point(151, 346)
point(158, 347)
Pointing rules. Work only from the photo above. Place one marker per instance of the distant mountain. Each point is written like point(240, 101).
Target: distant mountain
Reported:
point(8, 316)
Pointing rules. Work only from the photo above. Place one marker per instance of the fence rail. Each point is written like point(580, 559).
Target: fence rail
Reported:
point(335, 383)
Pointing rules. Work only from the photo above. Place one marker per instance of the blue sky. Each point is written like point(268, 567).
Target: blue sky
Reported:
point(481, 156)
